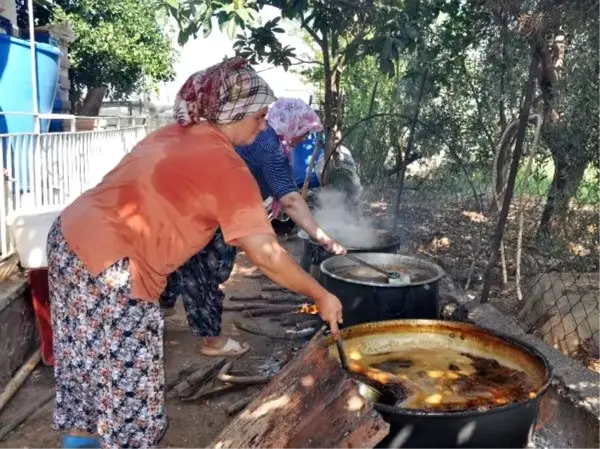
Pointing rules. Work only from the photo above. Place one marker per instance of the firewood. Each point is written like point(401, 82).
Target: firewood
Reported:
point(243, 306)
point(19, 418)
point(298, 301)
point(269, 310)
point(224, 376)
point(321, 405)
point(213, 392)
point(275, 288)
point(15, 383)
point(293, 319)
point(196, 379)
point(279, 335)
point(246, 298)
point(237, 406)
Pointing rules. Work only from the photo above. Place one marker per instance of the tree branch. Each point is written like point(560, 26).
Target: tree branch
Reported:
point(528, 93)
point(312, 33)
point(310, 61)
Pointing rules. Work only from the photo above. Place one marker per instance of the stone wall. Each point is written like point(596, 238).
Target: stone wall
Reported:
point(18, 334)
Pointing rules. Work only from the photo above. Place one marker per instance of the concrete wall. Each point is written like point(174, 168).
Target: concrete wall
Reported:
point(18, 334)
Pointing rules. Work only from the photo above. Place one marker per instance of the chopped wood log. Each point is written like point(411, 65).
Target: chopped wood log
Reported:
point(298, 301)
point(19, 418)
point(181, 375)
point(293, 319)
point(275, 288)
point(246, 298)
point(15, 383)
point(244, 306)
point(321, 405)
point(309, 323)
point(256, 276)
point(279, 335)
point(221, 389)
point(238, 406)
point(224, 376)
point(269, 310)
point(195, 379)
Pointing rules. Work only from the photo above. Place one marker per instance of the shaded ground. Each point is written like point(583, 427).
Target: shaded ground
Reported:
point(191, 424)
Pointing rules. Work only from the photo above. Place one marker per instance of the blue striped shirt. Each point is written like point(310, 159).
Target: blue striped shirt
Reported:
point(269, 165)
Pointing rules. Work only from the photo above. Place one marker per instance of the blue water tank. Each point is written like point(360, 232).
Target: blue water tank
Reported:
point(16, 96)
point(301, 159)
point(16, 86)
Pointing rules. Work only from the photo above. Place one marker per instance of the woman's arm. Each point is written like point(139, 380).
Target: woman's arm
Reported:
point(272, 259)
point(296, 208)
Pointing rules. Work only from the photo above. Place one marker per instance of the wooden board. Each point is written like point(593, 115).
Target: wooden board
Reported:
point(309, 403)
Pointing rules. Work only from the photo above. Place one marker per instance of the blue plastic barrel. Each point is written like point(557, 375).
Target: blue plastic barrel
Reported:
point(301, 159)
point(15, 83)
point(16, 96)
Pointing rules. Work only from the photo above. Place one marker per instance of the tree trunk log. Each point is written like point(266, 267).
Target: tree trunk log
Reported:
point(321, 405)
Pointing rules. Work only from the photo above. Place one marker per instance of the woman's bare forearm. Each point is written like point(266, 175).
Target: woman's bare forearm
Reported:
point(296, 208)
point(276, 263)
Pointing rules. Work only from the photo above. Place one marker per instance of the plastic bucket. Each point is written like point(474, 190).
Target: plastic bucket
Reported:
point(30, 231)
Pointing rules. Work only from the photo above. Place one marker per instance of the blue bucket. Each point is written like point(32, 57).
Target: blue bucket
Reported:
point(300, 156)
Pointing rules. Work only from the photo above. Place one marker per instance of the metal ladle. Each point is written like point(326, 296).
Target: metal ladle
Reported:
point(393, 277)
point(364, 390)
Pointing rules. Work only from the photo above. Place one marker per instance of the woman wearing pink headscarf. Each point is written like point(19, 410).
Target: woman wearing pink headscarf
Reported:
point(197, 281)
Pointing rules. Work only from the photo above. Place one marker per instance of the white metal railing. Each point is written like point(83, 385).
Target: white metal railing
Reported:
point(53, 169)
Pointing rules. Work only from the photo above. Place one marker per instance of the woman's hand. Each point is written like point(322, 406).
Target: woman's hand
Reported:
point(332, 246)
point(275, 262)
point(330, 311)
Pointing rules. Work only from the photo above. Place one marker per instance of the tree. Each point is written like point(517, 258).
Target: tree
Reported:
point(120, 44)
point(344, 31)
point(564, 38)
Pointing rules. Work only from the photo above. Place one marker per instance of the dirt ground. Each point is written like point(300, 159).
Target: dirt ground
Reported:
point(194, 423)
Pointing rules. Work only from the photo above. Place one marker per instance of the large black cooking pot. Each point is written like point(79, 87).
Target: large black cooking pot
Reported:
point(314, 254)
point(367, 301)
point(507, 426)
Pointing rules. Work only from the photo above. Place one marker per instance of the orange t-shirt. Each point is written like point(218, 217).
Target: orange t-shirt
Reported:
point(162, 204)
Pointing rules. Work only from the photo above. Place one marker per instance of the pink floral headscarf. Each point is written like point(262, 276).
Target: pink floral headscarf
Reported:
point(291, 118)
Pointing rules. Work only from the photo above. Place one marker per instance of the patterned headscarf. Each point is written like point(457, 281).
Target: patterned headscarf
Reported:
point(222, 94)
point(292, 118)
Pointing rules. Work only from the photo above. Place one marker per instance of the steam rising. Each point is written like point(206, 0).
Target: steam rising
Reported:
point(343, 221)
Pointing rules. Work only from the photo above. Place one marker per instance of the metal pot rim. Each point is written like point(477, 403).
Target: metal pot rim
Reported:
point(439, 270)
point(521, 344)
point(394, 240)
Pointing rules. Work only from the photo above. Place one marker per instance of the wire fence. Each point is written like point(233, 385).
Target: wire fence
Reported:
point(546, 276)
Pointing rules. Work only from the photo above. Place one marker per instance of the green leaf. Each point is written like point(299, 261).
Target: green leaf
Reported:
point(230, 29)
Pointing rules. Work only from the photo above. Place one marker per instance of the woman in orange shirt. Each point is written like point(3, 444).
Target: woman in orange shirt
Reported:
point(111, 250)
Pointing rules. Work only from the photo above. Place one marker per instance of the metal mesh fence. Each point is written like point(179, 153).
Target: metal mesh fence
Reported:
point(547, 274)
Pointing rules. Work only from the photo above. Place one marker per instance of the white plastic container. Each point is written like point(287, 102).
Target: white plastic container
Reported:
point(30, 232)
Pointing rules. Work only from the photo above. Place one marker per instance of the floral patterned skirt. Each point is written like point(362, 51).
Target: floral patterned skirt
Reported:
point(197, 281)
point(108, 350)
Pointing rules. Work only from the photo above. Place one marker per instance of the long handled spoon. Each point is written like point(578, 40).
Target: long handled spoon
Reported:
point(393, 277)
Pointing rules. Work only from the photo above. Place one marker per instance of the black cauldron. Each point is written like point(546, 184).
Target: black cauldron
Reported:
point(314, 254)
point(366, 300)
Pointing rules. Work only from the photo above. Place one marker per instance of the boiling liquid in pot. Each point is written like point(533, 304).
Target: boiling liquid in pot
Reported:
point(443, 379)
point(365, 274)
